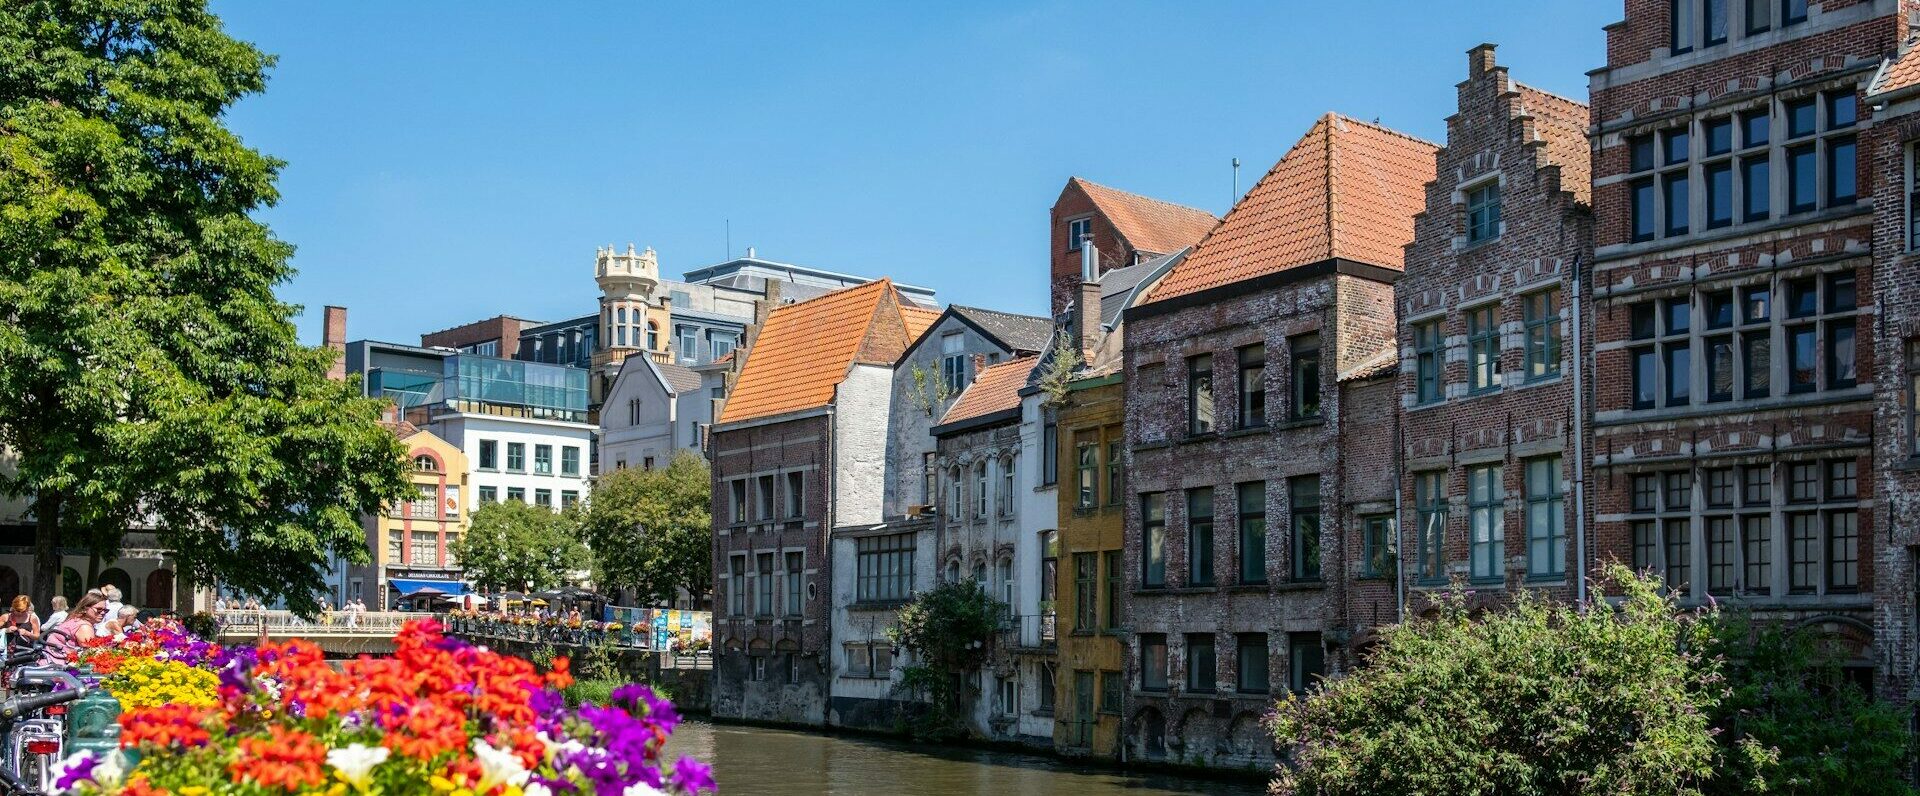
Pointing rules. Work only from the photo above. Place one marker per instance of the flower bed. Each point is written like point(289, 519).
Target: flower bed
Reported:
point(438, 717)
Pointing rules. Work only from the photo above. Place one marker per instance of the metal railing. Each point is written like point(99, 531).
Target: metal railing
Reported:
point(586, 634)
point(371, 623)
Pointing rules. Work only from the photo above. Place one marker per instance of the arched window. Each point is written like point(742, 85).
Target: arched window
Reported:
point(621, 314)
point(1006, 487)
point(71, 585)
point(956, 505)
point(425, 464)
point(119, 579)
point(653, 336)
point(980, 488)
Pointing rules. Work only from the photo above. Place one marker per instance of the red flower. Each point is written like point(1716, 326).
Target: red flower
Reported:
point(164, 726)
point(289, 759)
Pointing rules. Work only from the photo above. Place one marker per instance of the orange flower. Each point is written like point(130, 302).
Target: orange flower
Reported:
point(561, 676)
point(164, 726)
point(288, 759)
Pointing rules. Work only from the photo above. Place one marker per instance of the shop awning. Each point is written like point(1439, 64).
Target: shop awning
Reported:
point(452, 588)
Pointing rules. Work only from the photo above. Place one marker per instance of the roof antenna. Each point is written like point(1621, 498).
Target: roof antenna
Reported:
point(1236, 184)
point(729, 240)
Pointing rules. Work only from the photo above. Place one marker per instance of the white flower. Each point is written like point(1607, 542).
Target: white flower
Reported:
point(497, 767)
point(642, 789)
point(535, 789)
point(355, 763)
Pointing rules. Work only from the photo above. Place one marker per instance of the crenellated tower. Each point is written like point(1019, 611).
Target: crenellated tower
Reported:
point(632, 317)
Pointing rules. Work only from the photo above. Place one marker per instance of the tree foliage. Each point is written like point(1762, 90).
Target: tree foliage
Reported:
point(947, 630)
point(148, 368)
point(652, 529)
point(1061, 367)
point(517, 545)
point(1541, 698)
point(1824, 735)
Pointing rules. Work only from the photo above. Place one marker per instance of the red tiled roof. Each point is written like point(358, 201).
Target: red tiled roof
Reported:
point(805, 350)
point(1149, 224)
point(1347, 189)
point(917, 318)
point(1899, 73)
point(993, 389)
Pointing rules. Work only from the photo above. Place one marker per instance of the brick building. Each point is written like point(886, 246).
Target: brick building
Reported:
point(1889, 148)
point(797, 451)
point(1486, 371)
point(1733, 275)
point(1126, 228)
point(1239, 368)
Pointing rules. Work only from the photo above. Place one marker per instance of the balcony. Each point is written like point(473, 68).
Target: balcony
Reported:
point(1029, 632)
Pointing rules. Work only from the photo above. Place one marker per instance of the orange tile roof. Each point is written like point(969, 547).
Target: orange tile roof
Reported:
point(993, 389)
point(1899, 73)
point(918, 319)
point(805, 350)
point(1149, 224)
point(1347, 189)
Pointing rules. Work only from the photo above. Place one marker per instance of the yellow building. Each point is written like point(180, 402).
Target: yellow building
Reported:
point(412, 541)
point(1091, 677)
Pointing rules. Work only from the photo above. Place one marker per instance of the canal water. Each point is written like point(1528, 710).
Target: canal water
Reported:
point(751, 761)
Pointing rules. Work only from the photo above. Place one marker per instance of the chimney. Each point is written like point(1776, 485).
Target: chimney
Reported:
point(1480, 60)
point(333, 334)
point(1086, 307)
point(749, 252)
point(979, 364)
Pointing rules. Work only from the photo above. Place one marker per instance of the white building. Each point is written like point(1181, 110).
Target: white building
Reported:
point(653, 410)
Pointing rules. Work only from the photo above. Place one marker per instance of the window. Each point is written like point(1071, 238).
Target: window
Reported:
point(1483, 212)
point(1667, 362)
point(722, 343)
point(1087, 457)
point(395, 542)
point(543, 497)
point(1720, 547)
point(1803, 552)
point(1303, 496)
point(1251, 499)
point(426, 549)
point(795, 582)
point(1485, 497)
point(885, 568)
point(737, 586)
point(1082, 726)
point(689, 338)
point(1201, 665)
point(1077, 231)
point(953, 362)
point(1680, 17)
point(543, 460)
point(1153, 554)
point(1049, 454)
point(956, 499)
point(1714, 22)
point(570, 461)
point(1306, 663)
point(796, 495)
point(1200, 537)
point(1046, 687)
point(1086, 587)
point(1115, 468)
point(980, 489)
point(1005, 496)
point(1305, 350)
point(489, 495)
point(1792, 12)
point(1546, 528)
point(1110, 690)
point(737, 492)
point(653, 336)
point(1430, 359)
point(1153, 662)
point(516, 457)
point(1253, 385)
point(1376, 546)
point(763, 585)
point(1719, 180)
point(1759, 16)
point(1199, 394)
point(1843, 551)
point(633, 411)
point(1483, 348)
point(1430, 509)
point(1641, 194)
point(1756, 548)
point(489, 454)
point(1677, 193)
point(1541, 314)
point(568, 499)
point(763, 488)
point(1113, 589)
point(1250, 663)
point(426, 502)
point(1755, 173)
point(517, 494)
point(1006, 582)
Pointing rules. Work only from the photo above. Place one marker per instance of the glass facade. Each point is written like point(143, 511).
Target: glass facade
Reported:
point(487, 385)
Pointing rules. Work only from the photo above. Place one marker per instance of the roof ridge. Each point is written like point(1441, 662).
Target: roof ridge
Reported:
point(1384, 129)
point(1555, 95)
point(1145, 197)
point(1006, 313)
point(1332, 187)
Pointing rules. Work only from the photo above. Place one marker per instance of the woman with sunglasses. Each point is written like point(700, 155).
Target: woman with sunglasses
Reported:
point(66, 639)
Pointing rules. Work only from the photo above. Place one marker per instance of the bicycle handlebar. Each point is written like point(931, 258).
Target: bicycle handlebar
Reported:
point(12, 708)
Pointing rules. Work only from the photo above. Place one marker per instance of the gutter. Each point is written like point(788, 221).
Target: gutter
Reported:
point(1579, 442)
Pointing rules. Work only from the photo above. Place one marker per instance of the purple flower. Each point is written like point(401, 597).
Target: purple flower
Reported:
point(693, 776)
point(77, 771)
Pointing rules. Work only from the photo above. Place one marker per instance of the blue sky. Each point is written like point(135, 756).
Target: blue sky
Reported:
point(454, 161)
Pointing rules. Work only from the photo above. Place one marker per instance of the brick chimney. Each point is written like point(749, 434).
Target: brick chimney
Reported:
point(333, 334)
point(1086, 306)
point(1480, 60)
point(979, 364)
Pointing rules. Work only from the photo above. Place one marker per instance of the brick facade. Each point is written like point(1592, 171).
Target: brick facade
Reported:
point(772, 664)
point(1486, 362)
point(502, 329)
point(1732, 406)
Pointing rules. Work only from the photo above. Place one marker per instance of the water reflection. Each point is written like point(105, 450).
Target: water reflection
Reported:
point(748, 761)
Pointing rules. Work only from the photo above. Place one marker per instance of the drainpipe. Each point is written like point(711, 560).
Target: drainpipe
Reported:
point(1399, 542)
point(1579, 443)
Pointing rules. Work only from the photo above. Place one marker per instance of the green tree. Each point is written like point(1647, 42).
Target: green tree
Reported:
point(1540, 698)
point(148, 368)
point(517, 545)
point(652, 529)
point(1825, 735)
point(948, 630)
